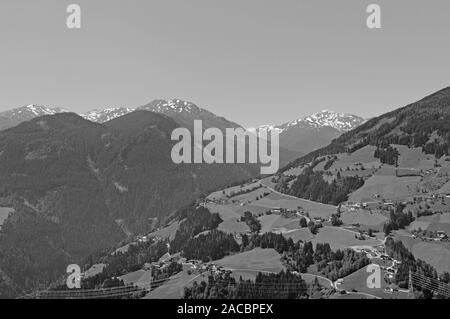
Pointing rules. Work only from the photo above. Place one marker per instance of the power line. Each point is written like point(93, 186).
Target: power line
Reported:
point(428, 283)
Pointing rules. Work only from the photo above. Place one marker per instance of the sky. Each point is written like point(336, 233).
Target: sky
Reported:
point(254, 61)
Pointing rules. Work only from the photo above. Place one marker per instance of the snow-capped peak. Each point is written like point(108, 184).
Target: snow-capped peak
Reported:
point(325, 118)
point(171, 106)
point(107, 114)
point(31, 111)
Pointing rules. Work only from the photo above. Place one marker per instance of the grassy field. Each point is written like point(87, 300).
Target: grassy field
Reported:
point(228, 191)
point(232, 226)
point(358, 281)
point(437, 222)
point(387, 186)
point(279, 200)
point(338, 238)
point(433, 253)
point(226, 212)
point(231, 215)
point(414, 158)
point(277, 223)
point(446, 188)
point(302, 234)
point(4, 213)
point(254, 209)
point(309, 278)
point(257, 260)
point(363, 155)
point(174, 287)
point(139, 277)
point(94, 270)
point(167, 232)
point(373, 220)
point(436, 254)
point(295, 171)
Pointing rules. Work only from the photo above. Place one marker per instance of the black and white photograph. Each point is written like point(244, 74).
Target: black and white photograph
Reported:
point(249, 152)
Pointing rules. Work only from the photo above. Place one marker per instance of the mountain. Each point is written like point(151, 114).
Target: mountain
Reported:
point(184, 113)
point(105, 115)
point(391, 170)
point(425, 124)
point(16, 116)
point(314, 131)
point(77, 187)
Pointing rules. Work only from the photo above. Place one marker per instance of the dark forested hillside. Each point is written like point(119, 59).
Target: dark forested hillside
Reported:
point(311, 185)
point(78, 187)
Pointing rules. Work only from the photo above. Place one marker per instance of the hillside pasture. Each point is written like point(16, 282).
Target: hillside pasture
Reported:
point(302, 234)
point(251, 196)
point(414, 158)
point(324, 282)
point(254, 209)
point(436, 222)
point(167, 232)
point(337, 237)
point(358, 281)
point(4, 214)
point(276, 200)
point(369, 219)
point(230, 190)
point(277, 223)
point(174, 287)
point(386, 186)
point(364, 156)
point(257, 259)
point(227, 212)
point(94, 270)
point(445, 189)
point(435, 253)
point(295, 171)
point(234, 227)
point(138, 278)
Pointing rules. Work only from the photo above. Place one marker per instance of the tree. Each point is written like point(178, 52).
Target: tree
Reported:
point(303, 222)
point(312, 227)
point(335, 221)
point(245, 241)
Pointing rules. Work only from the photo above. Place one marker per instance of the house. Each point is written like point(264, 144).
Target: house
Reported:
point(442, 234)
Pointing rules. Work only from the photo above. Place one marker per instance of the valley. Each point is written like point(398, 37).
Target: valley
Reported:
point(377, 194)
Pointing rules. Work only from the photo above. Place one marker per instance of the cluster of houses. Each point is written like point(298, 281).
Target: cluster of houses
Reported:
point(439, 235)
point(353, 207)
